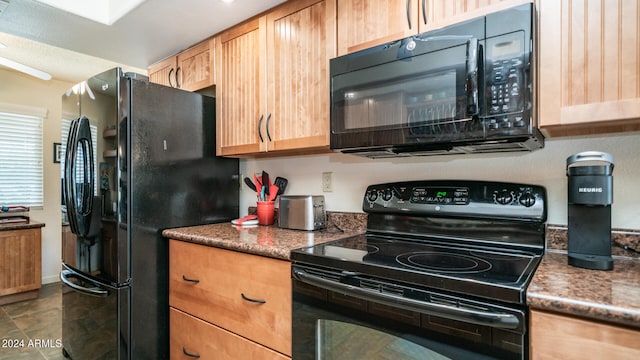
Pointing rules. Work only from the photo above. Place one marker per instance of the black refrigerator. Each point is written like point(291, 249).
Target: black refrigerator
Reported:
point(138, 158)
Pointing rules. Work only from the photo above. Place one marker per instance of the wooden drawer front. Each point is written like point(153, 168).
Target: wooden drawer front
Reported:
point(223, 277)
point(190, 335)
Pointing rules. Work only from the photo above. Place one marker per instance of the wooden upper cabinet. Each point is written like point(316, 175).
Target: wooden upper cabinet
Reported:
point(164, 72)
point(192, 69)
point(196, 66)
point(363, 24)
point(588, 66)
point(273, 81)
point(439, 13)
point(241, 89)
point(300, 42)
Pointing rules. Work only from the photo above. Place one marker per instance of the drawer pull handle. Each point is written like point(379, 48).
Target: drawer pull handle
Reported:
point(195, 356)
point(195, 281)
point(253, 300)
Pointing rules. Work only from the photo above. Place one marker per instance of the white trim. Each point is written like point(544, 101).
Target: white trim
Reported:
point(24, 110)
point(50, 279)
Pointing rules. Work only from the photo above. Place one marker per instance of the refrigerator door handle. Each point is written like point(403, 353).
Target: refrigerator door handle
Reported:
point(88, 172)
point(66, 275)
point(80, 209)
point(69, 166)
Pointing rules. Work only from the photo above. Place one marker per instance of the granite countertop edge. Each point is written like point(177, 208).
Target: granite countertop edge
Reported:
point(22, 226)
point(269, 241)
point(609, 296)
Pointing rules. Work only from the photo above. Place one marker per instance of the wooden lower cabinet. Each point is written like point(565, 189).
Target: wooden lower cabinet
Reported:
point(561, 337)
point(248, 296)
point(191, 337)
point(20, 264)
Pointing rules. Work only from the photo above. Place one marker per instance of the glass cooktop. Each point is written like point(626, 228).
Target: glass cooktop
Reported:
point(479, 270)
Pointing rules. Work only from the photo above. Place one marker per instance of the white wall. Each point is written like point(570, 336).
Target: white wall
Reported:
point(545, 167)
point(24, 90)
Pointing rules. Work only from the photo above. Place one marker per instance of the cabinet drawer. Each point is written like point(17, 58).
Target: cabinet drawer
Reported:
point(190, 335)
point(246, 294)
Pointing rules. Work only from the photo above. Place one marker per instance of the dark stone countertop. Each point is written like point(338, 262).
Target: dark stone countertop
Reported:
point(611, 296)
point(21, 226)
point(270, 241)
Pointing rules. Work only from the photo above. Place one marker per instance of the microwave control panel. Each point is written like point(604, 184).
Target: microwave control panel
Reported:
point(506, 83)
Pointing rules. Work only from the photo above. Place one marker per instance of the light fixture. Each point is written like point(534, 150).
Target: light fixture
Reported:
point(103, 11)
point(25, 69)
point(81, 88)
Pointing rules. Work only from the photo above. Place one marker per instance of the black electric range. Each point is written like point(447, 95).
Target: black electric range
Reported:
point(480, 239)
point(442, 269)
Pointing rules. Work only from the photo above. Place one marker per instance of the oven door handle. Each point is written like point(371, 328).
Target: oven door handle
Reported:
point(474, 316)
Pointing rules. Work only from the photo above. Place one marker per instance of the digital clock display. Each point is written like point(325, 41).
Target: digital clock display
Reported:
point(440, 195)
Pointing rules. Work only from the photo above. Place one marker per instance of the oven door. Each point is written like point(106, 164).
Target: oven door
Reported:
point(334, 320)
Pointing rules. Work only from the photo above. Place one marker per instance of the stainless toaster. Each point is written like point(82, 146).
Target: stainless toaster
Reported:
point(302, 212)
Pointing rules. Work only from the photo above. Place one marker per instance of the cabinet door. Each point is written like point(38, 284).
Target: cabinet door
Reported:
point(561, 337)
point(20, 261)
point(300, 42)
point(164, 72)
point(196, 66)
point(241, 89)
point(362, 24)
point(439, 13)
point(68, 246)
point(194, 338)
point(589, 66)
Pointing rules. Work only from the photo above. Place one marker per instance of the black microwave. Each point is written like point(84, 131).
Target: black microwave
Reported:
point(465, 88)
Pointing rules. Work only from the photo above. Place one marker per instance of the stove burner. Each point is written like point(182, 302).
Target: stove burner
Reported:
point(446, 263)
point(372, 249)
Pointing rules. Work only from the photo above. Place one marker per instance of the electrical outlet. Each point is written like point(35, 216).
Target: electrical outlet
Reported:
point(326, 182)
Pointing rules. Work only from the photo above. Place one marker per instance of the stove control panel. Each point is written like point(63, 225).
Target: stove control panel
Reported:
point(458, 198)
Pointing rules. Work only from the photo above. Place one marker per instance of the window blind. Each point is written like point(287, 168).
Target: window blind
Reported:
point(21, 174)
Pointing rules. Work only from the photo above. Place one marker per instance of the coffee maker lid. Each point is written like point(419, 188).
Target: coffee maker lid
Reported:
point(590, 156)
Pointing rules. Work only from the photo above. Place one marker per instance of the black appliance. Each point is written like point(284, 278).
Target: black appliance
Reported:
point(590, 195)
point(466, 88)
point(140, 157)
point(441, 273)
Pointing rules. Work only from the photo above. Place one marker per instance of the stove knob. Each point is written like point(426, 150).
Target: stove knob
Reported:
point(527, 199)
point(372, 196)
point(504, 197)
point(387, 194)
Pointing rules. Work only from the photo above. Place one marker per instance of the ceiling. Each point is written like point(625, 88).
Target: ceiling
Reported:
point(73, 48)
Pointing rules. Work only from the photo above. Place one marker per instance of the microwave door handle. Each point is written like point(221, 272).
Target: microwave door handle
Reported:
point(409, 13)
point(472, 77)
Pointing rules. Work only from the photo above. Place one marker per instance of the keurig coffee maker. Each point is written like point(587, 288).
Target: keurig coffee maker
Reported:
point(590, 197)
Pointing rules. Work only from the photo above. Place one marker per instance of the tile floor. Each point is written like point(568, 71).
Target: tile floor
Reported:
point(32, 329)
